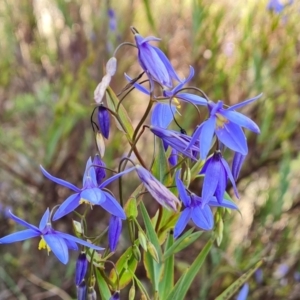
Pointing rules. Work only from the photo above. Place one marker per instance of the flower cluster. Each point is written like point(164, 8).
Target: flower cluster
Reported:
point(201, 150)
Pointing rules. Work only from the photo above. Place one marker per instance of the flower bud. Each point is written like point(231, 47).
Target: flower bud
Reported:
point(152, 251)
point(136, 252)
point(81, 291)
point(81, 268)
point(100, 143)
point(111, 66)
point(114, 232)
point(131, 294)
point(91, 295)
point(173, 158)
point(142, 240)
point(103, 120)
point(115, 296)
point(100, 172)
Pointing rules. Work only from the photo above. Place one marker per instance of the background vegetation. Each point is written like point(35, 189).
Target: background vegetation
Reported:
point(52, 57)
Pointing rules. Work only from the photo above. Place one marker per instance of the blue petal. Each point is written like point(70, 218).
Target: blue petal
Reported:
point(112, 206)
point(241, 120)
point(77, 240)
point(182, 191)
point(246, 102)
point(60, 181)
point(19, 236)
point(206, 136)
point(149, 39)
point(195, 136)
point(203, 217)
point(22, 222)
point(70, 204)
point(150, 60)
point(168, 66)
point(197, 100)
point(184, 81)
point(173, 158)
point(233, 137)
point(114, 232)
point(162, 115)
point(44, 219)
point(71, 245)
point(93, 195)
point(58, 245)
point(237, 163)
point(89, 172)
point(137, 85)
point(111, 179)
point(221, 187)
point(229, 174)
point(211, 180)
point(243, 294)
point(182, 222)
point(225, 203)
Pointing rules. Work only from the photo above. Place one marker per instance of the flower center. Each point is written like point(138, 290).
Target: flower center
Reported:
point(44, 245)
point(221, 121)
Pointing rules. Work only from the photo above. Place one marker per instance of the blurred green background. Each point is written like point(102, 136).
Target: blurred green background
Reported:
point(52, 57)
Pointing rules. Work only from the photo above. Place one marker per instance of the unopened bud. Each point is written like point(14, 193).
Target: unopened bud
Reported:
point(111, 66)
point(91, 294)
point(142, 240)
point(131, 294)
point(136, 252)
point(152, 251)
point(103, 120)
point(81, 268)
point(115, 296)
point(81, 291)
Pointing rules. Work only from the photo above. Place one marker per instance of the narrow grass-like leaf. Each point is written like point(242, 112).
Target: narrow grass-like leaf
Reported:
point(102, 285)
point(140, 285)
point(167, 280)
point(183, 242)
point(160, 167)
point(150, 231)
point(185, 281)
point(234, 287)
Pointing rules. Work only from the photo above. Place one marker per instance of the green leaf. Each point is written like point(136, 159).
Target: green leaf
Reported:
point(112, 102)
point(153, 269)
point(124, 265)
point(102, 285)
point(152, 236)
point(167, 281)
point(185, 281)
point(184, 241)
point(234, 287)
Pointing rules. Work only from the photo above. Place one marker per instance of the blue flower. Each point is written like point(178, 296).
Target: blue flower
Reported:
point(52, 240)
point(90, 193)
point(100, 172)
point(227, 125)
point(196, 209)
point(154, 62)
point(178, 141)
point(115, 296)
point(276, 6)
point(216, 172)
point(157, 190)
point(114, 232)
point(243, 294)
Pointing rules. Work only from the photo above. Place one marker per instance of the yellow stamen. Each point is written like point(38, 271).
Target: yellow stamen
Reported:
point(221, 120)
point(44, 245)
point(176, 102)
point(83, 201)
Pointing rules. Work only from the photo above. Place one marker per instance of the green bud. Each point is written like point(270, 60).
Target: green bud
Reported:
point(131, 294)
point(131, 208)
point(152, 251)
point(142, 240)
point(219, 231)
point(77, 228)
point(136, 252)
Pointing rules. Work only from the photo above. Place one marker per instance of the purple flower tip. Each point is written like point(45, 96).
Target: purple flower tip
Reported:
point(104, 120)
point(114, 232)
point(81, 268)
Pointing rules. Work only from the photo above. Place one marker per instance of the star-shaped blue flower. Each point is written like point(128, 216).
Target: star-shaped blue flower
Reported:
point(52, 240)
point(195, 209)
point(227, 125)
point(154, 62)
point(217, 172)
point(91, 193)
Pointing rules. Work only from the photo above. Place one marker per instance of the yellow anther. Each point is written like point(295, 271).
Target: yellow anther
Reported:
point(83, 201)
point(176, 102)
point(221, 120)
point(44, 245)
